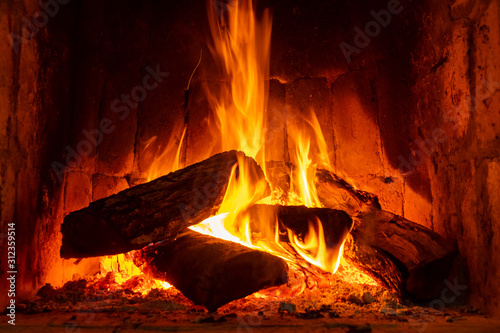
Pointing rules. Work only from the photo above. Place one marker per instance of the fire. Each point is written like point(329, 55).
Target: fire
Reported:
point(125, 270)
point(314, 248)
point(306, 173)
point(241, 44)
point(170, 158)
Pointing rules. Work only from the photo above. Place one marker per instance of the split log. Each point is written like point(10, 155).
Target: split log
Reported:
point(210, 271)
point(333, 191)
point(153, 211)
point(298, 220)
point(336, 193)
point(404, 256)
point(423, 257)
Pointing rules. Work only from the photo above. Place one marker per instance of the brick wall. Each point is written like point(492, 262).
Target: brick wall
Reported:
point(415, 83)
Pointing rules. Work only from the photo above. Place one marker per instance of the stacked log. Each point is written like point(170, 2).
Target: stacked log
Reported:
point(405, 257)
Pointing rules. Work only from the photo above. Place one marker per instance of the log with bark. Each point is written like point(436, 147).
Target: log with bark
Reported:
point(153, 211)
point(210, 271)
point(336, 193)
point(375, 263)
point(404, 256)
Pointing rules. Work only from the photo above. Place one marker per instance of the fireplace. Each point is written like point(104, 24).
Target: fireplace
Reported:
point(102, 96)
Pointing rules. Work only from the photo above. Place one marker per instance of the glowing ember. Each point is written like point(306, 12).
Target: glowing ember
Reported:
point(125, 272)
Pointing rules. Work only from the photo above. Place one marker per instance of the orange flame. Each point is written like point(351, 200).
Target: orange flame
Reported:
point(314, 249)
point(242, 47)
point(306, 173)
point(167, 161)
point(125, 270)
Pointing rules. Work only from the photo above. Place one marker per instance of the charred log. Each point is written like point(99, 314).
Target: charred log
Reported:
point(298, 221)
point(404, 256)
point(153, 211)
point(336, 193)
point(210, 271)
point(335, 223)
point(423, 257)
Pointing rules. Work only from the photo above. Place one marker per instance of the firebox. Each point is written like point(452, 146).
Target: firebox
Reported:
point(246, 164)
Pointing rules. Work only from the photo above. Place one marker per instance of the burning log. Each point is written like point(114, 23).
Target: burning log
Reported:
point(296, 223)
point(153, 211)
point(210, 271)
point(336, 223)
point(374, 263)
point(406, 257)
point(213, 272)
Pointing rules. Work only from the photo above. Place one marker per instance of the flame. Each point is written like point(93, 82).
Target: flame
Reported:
point(306, 173)
point(311, 152)
point(125, 270)
point(241, 44)
point(313, 248)
point(322, 156)
point(170, 158)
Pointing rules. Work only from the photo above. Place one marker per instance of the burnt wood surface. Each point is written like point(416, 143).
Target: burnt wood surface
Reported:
point(298, 219)
point(423, 257)
point(210, 271)
point(153, 211)
point(383, 242)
